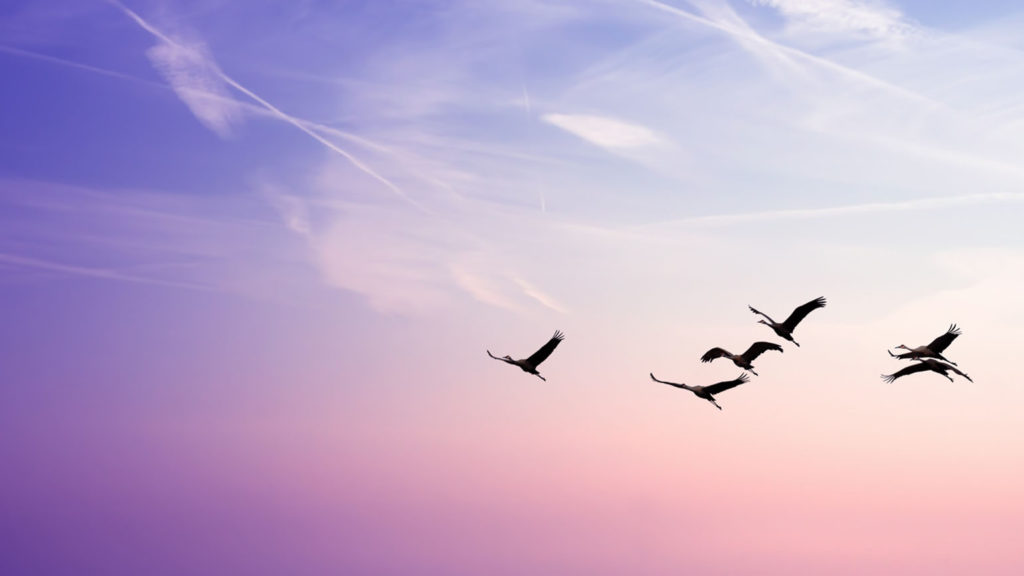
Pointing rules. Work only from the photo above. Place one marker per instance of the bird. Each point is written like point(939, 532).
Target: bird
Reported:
point(923, 366)
point(530, 364)
point(933, 350)
point(708, 392)
point(742, 360)
point(785, 329)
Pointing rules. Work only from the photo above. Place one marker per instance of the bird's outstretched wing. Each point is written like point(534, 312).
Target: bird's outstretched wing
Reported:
point(713, 353)
point(919, 367)
point(803, 311)
point(940, 343)
point(545, 350)
point(722, 386)
point(959, 372)
point(756, 311)
point(758, 348)
point(683, 386)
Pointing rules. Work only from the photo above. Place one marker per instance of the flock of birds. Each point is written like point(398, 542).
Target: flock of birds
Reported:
point(928, 358)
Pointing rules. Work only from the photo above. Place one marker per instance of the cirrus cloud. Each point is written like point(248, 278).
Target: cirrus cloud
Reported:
point(604, 132)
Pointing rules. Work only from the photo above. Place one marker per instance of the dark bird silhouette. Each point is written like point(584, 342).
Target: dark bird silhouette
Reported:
point(785, 329)
point(707, 392)
point(530, 364)
point(933, 350)
point(741, 360)
point(924, 366)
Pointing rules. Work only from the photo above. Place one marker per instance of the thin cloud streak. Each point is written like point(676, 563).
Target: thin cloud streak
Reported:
point(877, 20)
point(247, 107)
point(96, 272)
point(544, 299)
point(850, 209)
point(857, 75)
point(276, 111)
point(70, 64)
point(604, 132)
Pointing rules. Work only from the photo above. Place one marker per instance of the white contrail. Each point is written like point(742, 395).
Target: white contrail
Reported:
point(817, 60)
point(96, 272)
point(274, 110)
point(69, 63)
point(250, 108)
point(848, 209)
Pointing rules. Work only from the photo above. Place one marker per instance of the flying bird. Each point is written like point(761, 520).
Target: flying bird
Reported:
point(530, 364)
point(785, 329)
point(742, 360)
point(933, 350)
point(924, 366)
point(707, 392)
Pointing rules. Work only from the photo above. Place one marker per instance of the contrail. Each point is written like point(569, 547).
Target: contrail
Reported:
point(68, 63)
point(251, 108)
point(867, 208)
point(823, 62)
point(274, 110)
point(97, 272)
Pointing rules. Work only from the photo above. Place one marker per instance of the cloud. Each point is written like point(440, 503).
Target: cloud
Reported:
point(68, 63)
point(604, 132)
point(192, 72)
point(482, 289)
point(192, 242)
point(871, 18)
point(196, 79)
point(91, 272)
point(293, 211)
point(746, 34)
point(854, 209)
point(544, 299)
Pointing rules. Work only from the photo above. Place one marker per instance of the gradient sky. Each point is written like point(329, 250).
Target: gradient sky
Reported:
point(252, 252)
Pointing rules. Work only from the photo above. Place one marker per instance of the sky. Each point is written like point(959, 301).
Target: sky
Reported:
point(252, 256)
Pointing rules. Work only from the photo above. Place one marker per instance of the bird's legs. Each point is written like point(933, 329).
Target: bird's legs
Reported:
point(716, 404)
point(752, 372)
point(539, 376)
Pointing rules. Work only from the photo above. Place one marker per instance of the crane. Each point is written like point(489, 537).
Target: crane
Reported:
point(785, 328)
point(924, 366)
point(742, 360)
point(932, 350)
point(707, 392)
point(530, 364)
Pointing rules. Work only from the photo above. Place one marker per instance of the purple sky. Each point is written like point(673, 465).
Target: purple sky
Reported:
point(252, 253)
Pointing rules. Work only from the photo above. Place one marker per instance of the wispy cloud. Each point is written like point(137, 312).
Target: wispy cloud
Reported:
point(143, 237)
point(544, 299)
point(872, 17)
point(91, 272)
point(934, 203)
point(192, 73)
point(604, 132)
point(481, 289)
point(194, 66)
point(68, 63)
point(747, 34)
